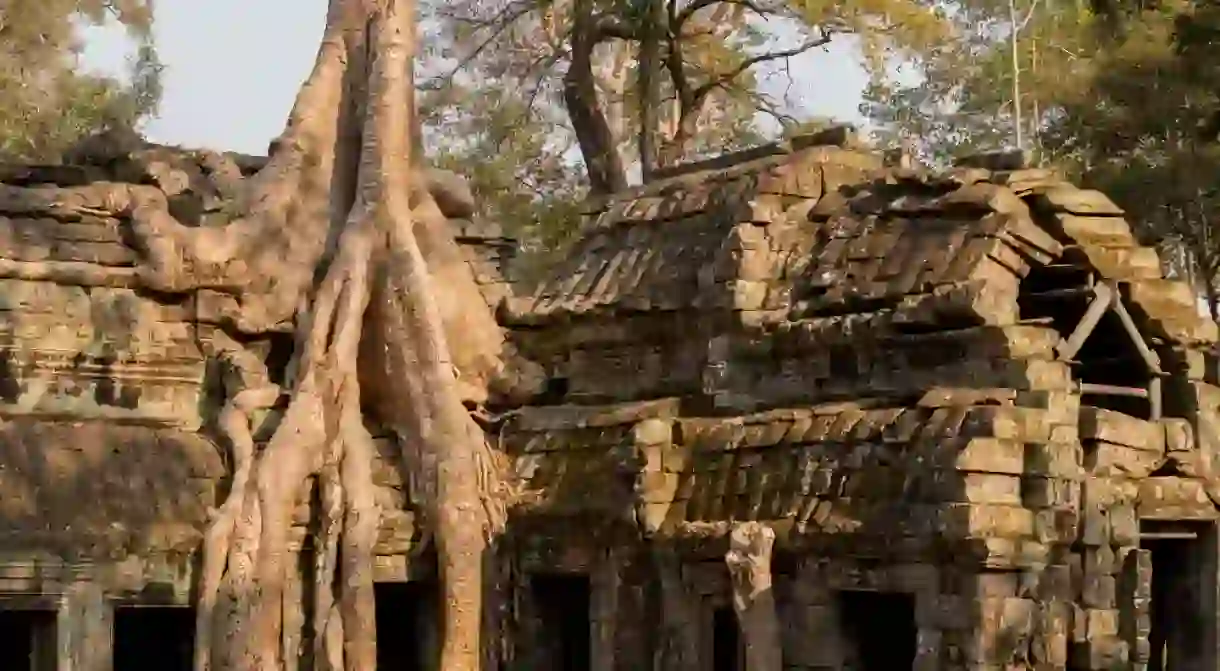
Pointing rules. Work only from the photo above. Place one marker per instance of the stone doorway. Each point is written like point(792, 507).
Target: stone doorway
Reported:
point(27, 640)
point(154, 638)
point(406, 625)
point(728, 651)
point(561, 622)
point(1180, 612)
point(878, 630)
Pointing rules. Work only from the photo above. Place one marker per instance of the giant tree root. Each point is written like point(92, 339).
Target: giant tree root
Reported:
point(749, 564)
point(387, 317)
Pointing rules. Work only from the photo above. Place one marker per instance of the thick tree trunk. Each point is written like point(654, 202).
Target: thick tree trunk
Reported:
point(340, 238)
point(593, 133)
point(749, 563)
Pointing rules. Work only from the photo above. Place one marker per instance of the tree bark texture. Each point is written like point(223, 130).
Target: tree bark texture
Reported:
point(749, 564)
point(339, 238)
point(597, 143)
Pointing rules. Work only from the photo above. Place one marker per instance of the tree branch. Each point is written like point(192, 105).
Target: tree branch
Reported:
point(720, 81)
point(678, 19)
point(500, 24)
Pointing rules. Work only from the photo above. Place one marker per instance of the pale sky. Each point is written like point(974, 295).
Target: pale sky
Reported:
point(234, 66)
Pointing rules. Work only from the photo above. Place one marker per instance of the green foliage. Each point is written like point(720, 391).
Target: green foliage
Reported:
point(1121, 95)
point(46, 101)
point(497, 67)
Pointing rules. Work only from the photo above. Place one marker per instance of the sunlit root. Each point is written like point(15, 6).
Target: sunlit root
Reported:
point(336, 236)
point(749, 564)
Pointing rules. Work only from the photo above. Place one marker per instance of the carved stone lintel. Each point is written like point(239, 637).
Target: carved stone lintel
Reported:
point(749, 564)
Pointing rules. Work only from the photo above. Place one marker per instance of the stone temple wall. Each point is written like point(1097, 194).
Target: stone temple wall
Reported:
point(978, 420)
point(901, 373)
point(106, 390)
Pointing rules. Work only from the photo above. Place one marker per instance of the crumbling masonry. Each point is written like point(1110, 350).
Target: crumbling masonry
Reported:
point(803, 411)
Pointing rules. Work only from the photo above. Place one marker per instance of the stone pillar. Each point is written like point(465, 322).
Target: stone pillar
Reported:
point(605, 581)
point(84, 629)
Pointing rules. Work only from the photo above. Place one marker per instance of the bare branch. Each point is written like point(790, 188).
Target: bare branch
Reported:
point(678, 18)
point(722, 80)
point(505, 19)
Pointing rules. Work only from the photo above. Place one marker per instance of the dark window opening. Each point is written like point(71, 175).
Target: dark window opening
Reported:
point(27, 640)
point(1108, 364)
point(563, 634)
point(1177, 615)
point(406, 632)
point(154, 638)
point(878, 630)
point(728, 651)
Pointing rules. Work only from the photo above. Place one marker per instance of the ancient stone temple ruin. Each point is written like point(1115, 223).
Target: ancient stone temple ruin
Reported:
point(802, 411)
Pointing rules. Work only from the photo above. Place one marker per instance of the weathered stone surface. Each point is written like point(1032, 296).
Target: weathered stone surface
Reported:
point(865, 361)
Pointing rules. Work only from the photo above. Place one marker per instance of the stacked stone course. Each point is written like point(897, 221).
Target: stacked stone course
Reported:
point(972, 389)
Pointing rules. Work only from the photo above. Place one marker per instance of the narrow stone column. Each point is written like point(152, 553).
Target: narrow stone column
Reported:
point(84, 630)
point(678, 648)
point(749, 563)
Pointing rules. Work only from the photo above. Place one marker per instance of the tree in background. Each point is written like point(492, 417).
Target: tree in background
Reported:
point(572, 71)
point(1143, 129)
point(1000, 79)
point(1121, 96)
point(46, 102)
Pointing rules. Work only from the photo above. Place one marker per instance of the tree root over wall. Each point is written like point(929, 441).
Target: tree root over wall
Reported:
point(749, 564)
point(337, 236)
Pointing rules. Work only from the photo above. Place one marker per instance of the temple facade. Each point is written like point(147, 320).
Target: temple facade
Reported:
point(939, 421)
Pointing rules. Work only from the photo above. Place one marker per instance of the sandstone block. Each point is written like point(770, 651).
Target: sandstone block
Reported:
point(1077, 201)
point(976, 520)
point(1121, 429)
point(1089, 230)
point(983, 455)
point(1054, 460)
point(1108, 460)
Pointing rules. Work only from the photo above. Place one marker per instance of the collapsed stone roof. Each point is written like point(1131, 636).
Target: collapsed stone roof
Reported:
point(726, 323)
point(823, 243)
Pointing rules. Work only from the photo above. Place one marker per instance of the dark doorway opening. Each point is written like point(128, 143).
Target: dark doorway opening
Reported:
point(728, 652)
point(563, 627)
point(1108, 365)
point(154, 638)
point(406, 625)
point(1178, 612)
point(878, 629)
point(27, 640)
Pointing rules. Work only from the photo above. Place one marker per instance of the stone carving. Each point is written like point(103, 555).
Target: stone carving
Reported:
point(776, 385)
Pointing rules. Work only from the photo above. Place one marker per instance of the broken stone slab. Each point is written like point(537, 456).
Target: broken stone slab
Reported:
point(1171, 311)
point(452, 193)
point(1175, 498)
point(1093, 230)
point(1121, 429)
point(1122, 263)
point(1006, 159)
point(1108, 460)
point(1076, 201)
point(58, 175)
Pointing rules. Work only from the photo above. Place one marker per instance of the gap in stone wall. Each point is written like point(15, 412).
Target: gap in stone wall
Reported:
point(727, 647)
point(1177, 632)
point(563, 630)
point(1059, 294)
point(27, 640)
point(154, 638)
point(878, 629)
point(406, 625)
